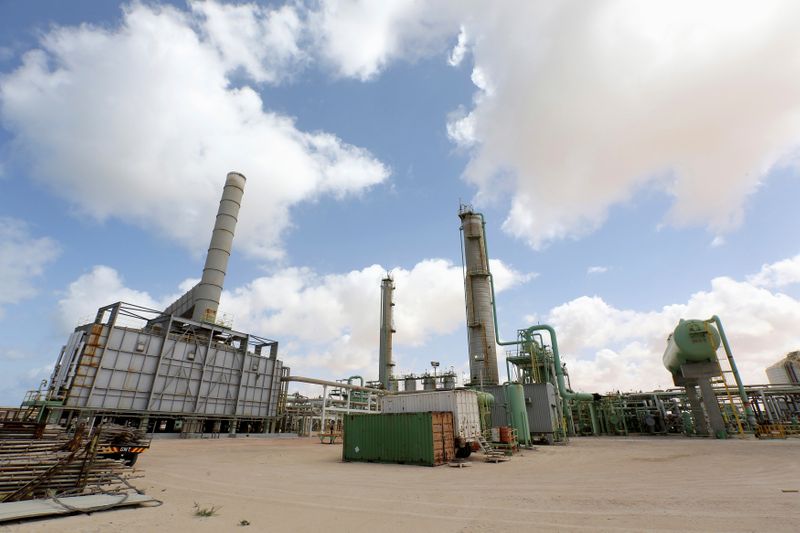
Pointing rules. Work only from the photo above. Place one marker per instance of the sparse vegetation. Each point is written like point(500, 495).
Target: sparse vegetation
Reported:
point(205, 511)
point(244, 523)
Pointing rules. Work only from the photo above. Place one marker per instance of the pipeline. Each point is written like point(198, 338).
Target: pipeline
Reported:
point(351, 378)
point(338, 384)
point(748, 409)
point(563, 390)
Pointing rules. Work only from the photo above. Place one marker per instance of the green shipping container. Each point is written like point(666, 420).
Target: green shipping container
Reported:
point(407, 438)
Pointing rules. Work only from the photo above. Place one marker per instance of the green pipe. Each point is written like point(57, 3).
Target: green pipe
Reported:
point(351, 378)
point(565, 393)
point(748, 409)
point(593, 415)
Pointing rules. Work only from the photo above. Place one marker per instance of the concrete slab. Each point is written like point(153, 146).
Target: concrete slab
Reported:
point(38, 508)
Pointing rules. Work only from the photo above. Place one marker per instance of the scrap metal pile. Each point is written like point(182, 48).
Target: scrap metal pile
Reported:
point(38, 461)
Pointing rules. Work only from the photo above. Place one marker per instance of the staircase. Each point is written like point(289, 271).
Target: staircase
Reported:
point(490, 453)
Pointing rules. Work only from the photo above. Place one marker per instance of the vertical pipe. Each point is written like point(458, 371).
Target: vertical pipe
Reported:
point(324, 406)
point(751, 418)
point(209, 290)
point(385, 363)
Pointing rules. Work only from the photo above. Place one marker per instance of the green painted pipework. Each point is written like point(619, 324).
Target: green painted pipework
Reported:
point(565, 393)
point(517, 411)
point(485, 403)
point(748, 409)
point(351, 378)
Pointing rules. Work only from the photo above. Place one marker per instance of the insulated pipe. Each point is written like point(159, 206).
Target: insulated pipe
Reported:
point(209, 290)
point(563, 390)
point(748, 410)
point(359, 378)
point(315, 381)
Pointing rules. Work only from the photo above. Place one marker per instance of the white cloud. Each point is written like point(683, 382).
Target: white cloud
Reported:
point(332, 321)
point(596, 270)
point(360, 37)
point(23, 259)
point(264, 42)
point(328, 323)
point(99, 287)
point(10, 353)
point(460, 49)
point(578, 107)
point(717, 241)
point(780, 274)
point(590, 105)
point(142, 122)
point(607, 347)
point(40, 372)
point(461, 128)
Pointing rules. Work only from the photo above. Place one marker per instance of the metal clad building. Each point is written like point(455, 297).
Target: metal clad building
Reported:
point(204, 370)
point(463, 403)
point(540, 403)
point(786, 371)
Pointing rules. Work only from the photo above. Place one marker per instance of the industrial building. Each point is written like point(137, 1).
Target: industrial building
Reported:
point(184, 370)
point(181, 369)
point(786, 371)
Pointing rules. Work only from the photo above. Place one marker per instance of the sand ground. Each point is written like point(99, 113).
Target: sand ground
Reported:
point(595, 484)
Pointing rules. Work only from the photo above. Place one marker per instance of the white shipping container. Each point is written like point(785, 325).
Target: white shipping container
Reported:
point(463, 403)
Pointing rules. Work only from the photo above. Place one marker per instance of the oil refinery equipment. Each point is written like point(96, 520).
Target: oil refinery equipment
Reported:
point(477, 294)
point(180, 369)
point(691, 357)
point(385, 363)
point(535, 362)
point(786, 371)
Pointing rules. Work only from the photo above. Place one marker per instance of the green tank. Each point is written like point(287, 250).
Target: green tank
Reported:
point(693, 341)
point(517, 411)
point(485, 403)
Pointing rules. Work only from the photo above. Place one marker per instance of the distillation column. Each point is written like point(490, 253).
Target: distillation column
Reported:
point(478, 295)
point(385, 363)
point(209, 290)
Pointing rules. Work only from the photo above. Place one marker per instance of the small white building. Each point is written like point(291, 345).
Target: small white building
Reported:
point(786, 371)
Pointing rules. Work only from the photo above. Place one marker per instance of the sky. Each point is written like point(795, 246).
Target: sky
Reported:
point(636, 163)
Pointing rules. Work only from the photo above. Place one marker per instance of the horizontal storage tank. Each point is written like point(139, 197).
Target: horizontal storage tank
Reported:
point(693, 341)
point(463, 403)
point(408, 438)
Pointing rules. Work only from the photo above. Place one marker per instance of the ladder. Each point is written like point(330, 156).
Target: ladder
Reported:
point(734, 401)
point(491, 454)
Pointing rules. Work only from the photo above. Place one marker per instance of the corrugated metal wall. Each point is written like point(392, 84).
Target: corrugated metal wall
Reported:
point(140, 371)
point(540, 403)
point(408, 438)
point(463, 403)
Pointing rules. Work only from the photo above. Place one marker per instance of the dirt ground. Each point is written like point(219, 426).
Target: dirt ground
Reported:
point(596, 484)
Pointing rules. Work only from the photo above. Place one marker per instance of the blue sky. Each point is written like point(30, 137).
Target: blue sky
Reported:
point(627, 179)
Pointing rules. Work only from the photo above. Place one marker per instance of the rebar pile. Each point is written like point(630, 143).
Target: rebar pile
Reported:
point(114, 434)
point(57, 463)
